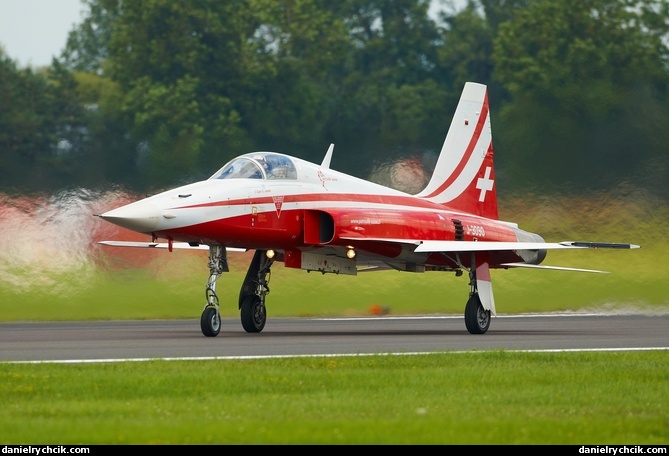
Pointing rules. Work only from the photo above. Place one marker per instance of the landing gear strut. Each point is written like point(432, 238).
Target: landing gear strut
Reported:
point(253, 292)
point(210, 321)
point(477, 318)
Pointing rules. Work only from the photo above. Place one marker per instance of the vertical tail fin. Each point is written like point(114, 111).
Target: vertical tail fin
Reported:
point(464, 177)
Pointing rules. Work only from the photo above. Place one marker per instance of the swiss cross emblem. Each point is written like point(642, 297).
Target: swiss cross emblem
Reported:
point(278, 202)
point(485, 183)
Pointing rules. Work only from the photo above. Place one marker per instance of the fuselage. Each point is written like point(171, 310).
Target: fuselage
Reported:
point(272, 201)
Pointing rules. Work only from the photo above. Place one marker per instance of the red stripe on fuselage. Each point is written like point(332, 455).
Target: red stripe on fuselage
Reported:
point(407, 201)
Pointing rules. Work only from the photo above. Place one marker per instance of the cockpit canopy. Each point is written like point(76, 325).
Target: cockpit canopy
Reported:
point(258, 165)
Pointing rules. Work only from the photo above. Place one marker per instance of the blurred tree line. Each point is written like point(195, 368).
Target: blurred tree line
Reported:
point(154, 93)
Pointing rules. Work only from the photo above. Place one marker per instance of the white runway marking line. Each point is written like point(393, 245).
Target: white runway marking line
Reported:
point(340, 355)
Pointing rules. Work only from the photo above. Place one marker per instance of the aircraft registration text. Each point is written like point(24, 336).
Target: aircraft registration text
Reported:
point(475, 230)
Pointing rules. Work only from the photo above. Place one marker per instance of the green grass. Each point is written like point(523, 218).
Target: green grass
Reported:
point(458, 398)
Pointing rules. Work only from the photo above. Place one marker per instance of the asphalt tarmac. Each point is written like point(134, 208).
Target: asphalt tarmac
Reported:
point(174, 339)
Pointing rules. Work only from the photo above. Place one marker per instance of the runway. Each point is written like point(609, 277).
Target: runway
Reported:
point(141, 340)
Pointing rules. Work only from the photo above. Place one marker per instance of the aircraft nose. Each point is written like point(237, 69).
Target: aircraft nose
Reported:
point(143, 217)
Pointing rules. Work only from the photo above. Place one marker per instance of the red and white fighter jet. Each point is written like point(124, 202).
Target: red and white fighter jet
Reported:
point(311, 217)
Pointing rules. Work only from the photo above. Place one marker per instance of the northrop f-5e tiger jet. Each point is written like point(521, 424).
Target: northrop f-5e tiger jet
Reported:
point(309, 216)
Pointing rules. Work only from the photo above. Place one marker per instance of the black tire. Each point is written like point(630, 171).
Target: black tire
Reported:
point(253, 314)
point(477, 319)
point(210, 322)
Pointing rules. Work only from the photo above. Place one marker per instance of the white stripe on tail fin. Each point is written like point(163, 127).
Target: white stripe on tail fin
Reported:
point(464, 177)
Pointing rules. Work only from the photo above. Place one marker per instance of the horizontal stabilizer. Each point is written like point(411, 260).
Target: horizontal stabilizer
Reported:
point(601, 245)
point(554, 268)
point(162, 245)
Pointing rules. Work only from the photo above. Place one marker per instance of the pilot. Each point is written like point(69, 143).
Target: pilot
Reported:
point(267, 166)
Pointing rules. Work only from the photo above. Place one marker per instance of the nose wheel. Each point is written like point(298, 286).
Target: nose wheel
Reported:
point(210, 322)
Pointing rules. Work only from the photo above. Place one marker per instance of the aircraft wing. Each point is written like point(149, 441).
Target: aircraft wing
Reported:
point(482, 246)
point(479, 246)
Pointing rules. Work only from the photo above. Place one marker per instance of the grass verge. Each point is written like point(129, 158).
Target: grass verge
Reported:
point(451, 398)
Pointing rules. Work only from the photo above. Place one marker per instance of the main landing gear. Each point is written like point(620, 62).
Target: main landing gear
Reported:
point(251, 297)
point(477, 318)
point(253, 292)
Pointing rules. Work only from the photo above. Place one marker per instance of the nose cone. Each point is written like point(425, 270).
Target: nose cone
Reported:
point(140, 217)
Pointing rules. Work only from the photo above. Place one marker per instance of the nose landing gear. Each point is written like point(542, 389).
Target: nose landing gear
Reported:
point(210, 321)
